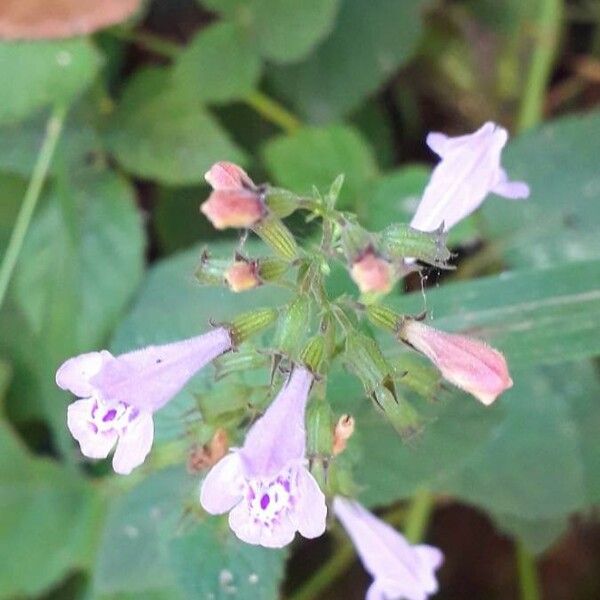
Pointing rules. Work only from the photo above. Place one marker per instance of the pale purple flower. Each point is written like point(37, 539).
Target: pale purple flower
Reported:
point(119, 394)
point(400, 571)
point(265, 484)
point(469, 170)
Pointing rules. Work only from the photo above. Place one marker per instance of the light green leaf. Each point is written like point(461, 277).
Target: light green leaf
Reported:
point(80, 264)
point(49, 520)
point(150, 544)
point(162, 132)
point(316, 156)
point(36, 74)
point(286, 30)
point(370, 41)
point(219, 64)
point(283, 30)
point(561, 219)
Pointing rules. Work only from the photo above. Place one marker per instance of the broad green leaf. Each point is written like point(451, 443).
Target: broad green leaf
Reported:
point(535, 317)
point(561, 219)
point(161, 132)
point(395, 198)
point(36, 74)
point(370, 41)
point(316, 156)
point(80, 264)
point(286, 30)
point(154, 539)
point(49, 520)
point(283, 30)
point(219, 64)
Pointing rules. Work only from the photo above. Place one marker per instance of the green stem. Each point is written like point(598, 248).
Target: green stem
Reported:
point(53, 129)
point(273, 111)
point(529, 584)
point(419, 512)
point(547, 29)
point(148, 41)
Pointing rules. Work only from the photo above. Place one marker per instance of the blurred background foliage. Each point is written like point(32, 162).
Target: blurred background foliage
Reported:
point(111, 112)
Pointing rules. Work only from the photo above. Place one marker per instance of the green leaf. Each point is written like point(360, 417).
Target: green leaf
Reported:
point(535, 317)
point(219, 64)
point(36, 74)
point(287, 30)
point(370, 41)
point(49, 520)
point(561, 219)
point(284, 30)
point(12, 190)
point(80, 264)
point(161, 132)
point(316, 156)
point(150, 544)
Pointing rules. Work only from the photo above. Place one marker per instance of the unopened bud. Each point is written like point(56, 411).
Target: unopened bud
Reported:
point(236, 201)
point(204, 457)
point(372, 273)
point(469, 364)
point(343, 431)
point(242, 275)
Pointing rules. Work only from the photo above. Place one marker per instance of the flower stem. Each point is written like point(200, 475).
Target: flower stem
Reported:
point(419, 512)
point(53, 129)
point(273, 111)
point(546, 33)
point(529, 584)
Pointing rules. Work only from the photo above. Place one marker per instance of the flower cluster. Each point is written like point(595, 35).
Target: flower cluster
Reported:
point(275, 483)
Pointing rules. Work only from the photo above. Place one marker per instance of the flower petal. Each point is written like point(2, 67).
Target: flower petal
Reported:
point(513, 190)
point(233, 208)
point(228, 176)
point(75, 373)
point(222, 487)
point(279, 534)
point(93, 443)
point(245, 528)
point(148, 378)
point(279, 436)
point(311, 510)
point(134, 444)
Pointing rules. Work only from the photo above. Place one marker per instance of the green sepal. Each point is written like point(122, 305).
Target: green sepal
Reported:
point(334, 191)
point(282, 202)
point(401, 241)
point(399, 412)
point(313, 353)
point(355, 240)
point(211, 271)
point(277, 236)
point(250, 323)
point(366, 360)
point(319, 427)
point(272, 269)
point(292, 326)
point(384, 318)
point(417, 374)
point(245, 359)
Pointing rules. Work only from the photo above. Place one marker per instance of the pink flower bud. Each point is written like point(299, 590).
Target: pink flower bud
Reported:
point(372, 274)
point(343, 431)
point(227, 176)
point(242, 276)
point(235, 201)
point(467, 363)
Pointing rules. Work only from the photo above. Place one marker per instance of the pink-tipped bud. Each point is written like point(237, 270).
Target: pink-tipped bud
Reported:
point(372, 274)
point(233, 208)
point(242, 276)
point(467, 363)
point(227, 176)
point(343, 431)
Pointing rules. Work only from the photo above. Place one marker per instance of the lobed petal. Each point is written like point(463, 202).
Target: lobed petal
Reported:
point(75, 373)
point(228, 176)
point(93, 443)
point(222, 487)
point(233, 208)
point(310, 512)
point(134, 444)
